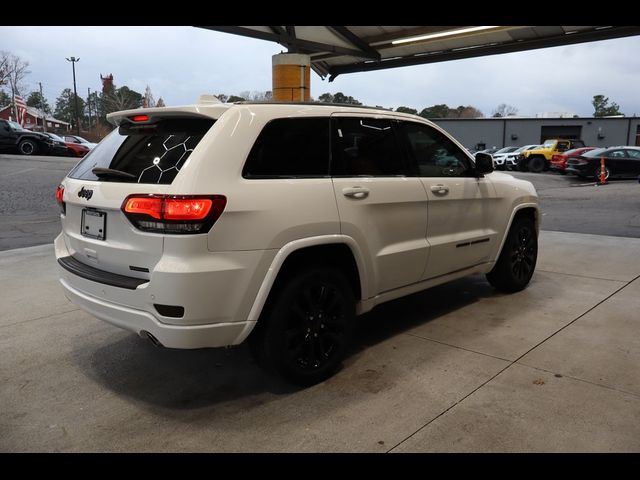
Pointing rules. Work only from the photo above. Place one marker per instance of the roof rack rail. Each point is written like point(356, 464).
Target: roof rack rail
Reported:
point(325, 104)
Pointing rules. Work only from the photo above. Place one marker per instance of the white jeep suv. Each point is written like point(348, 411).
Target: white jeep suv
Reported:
point(205, 225)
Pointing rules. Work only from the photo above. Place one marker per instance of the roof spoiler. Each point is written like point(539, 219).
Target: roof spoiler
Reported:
point(208, 99)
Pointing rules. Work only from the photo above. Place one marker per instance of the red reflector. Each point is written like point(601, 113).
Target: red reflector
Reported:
point(151, 206)
point(187, 209)
point(59, 194)
point(140, 118)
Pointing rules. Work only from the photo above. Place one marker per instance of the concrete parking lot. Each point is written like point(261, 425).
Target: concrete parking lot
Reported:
point(554, 368)
point(458, 368)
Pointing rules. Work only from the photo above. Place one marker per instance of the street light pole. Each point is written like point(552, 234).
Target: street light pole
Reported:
point(73, 61)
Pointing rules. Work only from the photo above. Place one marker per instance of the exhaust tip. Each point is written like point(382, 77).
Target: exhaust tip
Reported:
point(151, 338)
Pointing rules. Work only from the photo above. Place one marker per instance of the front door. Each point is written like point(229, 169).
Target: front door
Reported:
point(380, 205)
point(462, 226)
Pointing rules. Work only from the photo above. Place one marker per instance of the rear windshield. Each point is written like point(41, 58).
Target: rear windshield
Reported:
point(149, 154)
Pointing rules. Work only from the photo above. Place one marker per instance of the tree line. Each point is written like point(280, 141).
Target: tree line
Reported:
point(92, 109)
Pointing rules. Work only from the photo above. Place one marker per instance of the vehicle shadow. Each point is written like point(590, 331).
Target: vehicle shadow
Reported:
point(183, 380)
point(398, 316)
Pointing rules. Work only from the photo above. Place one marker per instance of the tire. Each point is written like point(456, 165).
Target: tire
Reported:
point(28, 147)
point(305, 332)
point(536, 164)
point(517, 261)
point(596, 174)
point(521, 166)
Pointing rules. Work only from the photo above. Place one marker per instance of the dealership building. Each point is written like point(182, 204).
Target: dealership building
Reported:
point(481, 133)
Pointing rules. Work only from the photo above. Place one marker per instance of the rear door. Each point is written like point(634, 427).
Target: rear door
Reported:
point(133, 161)
point(380, 204)
point(617, 162)
point(462, 225)
point(634, 162)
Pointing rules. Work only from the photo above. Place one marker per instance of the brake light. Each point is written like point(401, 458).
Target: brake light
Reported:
point(177, 214)
point(187, 209)
point(140, 118)
point(59, 196)
point(150, 206)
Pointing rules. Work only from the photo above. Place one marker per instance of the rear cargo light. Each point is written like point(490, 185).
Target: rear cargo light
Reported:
point(59, 196)
point(174, 214)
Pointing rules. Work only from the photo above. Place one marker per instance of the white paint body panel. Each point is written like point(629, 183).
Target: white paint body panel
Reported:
point(403, 236)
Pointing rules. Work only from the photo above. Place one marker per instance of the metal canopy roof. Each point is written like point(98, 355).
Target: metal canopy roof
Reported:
point(337, 50)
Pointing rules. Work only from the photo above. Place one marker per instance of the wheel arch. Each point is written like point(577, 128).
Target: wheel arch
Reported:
point(531, 210)
point(340, 251)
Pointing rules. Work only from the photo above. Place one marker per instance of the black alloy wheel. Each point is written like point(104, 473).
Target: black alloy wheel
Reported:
point(27, 147)
point(304, 333)
point(523, 254)
point(315, 328)
point(514, 268)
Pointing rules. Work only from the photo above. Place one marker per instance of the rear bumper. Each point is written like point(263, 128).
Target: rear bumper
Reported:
point(215, 290)
point(171, 336)
point(580, 171)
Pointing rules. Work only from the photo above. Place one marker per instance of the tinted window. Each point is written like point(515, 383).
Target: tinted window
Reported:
point(366, 146)
point(635, 154)
point(290, 147)
point(152, 153)
point(616, 154)
point(435, 154)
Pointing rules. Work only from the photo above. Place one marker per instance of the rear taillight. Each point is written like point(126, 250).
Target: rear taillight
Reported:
point(59, 196)
point(174, 214)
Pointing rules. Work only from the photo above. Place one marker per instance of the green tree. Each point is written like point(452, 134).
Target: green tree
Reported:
point(122, 98)
point(340, 97)
point(65, 106)
point(38, 101)
point(465, 112)
point(4, 99)
point(602, 108)
point(412, 111)
point(235, 98)
point(435, 111)
point(326, 98)
point(160, 103)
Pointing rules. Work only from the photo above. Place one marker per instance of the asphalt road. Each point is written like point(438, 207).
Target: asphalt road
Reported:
point(28, 210)
point(29, 214)
point(572, 204)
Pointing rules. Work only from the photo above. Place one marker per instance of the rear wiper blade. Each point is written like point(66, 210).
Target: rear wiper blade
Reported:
point(110, 172)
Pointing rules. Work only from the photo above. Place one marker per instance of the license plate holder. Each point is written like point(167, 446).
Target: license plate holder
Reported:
point(93, 224)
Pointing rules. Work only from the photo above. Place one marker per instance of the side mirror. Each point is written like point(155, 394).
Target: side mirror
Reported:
point(484, 163)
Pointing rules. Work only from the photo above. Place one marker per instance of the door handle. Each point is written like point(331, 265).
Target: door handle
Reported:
point(439, 189)
point(356, 192)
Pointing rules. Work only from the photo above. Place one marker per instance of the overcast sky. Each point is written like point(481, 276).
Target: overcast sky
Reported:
point(180, 63)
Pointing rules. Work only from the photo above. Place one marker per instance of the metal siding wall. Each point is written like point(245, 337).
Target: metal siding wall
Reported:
point(472, 132)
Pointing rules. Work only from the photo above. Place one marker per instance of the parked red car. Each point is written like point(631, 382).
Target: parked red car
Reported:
point(78, 149)
point(559, 160)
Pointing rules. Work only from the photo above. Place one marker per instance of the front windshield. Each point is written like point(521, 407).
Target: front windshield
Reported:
point(82, 140)
point(505, 150)
point(549, 144)
point(15, 125)
point(55, 137)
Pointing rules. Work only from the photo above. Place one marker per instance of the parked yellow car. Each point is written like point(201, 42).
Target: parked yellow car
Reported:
point(539, 159)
